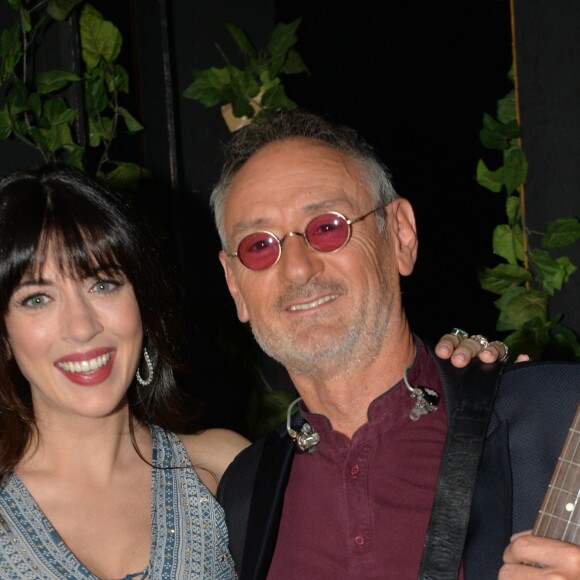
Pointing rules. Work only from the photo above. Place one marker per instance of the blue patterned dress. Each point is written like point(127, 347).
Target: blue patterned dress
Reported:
point(189, 538)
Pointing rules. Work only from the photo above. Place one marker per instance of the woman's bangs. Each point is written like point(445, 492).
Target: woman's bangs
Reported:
point(77, 252)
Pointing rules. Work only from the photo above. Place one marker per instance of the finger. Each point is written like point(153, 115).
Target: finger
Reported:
point(558, 559)
point(523, 358)
point(446, 345)
point(468, 349)
point(473, 345)
point(449, 342)
point(496, 350)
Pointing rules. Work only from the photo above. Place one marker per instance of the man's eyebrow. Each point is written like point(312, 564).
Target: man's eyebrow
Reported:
point(261, 223)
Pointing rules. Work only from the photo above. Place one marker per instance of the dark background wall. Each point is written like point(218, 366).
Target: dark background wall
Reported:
point(415, 78)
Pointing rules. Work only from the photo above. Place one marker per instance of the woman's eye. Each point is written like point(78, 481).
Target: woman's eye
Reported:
point(105, 286)
point(34, 301)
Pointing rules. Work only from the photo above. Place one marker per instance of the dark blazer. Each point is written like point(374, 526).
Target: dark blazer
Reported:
point(534, 406)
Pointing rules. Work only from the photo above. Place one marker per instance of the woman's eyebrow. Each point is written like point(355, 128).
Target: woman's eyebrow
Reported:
point(33, 282)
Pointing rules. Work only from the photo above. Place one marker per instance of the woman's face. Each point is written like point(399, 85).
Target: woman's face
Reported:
point(77, 342)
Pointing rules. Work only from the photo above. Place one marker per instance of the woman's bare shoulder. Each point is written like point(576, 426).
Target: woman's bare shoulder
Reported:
point(211, 451)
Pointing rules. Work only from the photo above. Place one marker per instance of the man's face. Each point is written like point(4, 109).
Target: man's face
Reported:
point(317, 313)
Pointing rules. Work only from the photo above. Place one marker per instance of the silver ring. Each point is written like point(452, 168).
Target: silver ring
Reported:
point(481, 339)
point(505, 349)
point(459, 333)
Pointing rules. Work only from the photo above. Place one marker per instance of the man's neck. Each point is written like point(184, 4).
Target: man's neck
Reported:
point(344, 398)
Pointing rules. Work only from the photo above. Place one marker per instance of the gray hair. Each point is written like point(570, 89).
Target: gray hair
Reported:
point(299, 124)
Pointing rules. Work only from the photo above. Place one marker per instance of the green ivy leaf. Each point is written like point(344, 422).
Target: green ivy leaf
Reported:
point(54, 80)
point(276, 98)
point(552, 273)
point(126, 175)
point(10, 51)
point(561, 232)
point(530, 343)
point(506, 110)
point(242, 40)
point(496, 135)
point(492, 180)
point(522, 308)
point(100, 129)
point(502, 277)
point(133, 126)
point(56, 137)
point(294, 64)
point(209, 86)
point(57, 112)
point(120, 80)
point(508, 243)
point(283, 38)
point(512, 209)
point(100, 39)
point(5, 124)
point(75, 154)
point(60, 9)
point(244, 84)
point(16, 4)
point(96, 96)
point(515, 166)
point(491, 136)
point(241, 107)
point(568, 340)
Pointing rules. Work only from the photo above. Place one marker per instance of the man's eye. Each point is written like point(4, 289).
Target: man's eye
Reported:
point(260, 245)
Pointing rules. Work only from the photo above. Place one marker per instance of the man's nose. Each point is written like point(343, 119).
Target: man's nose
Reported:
point(298, 261)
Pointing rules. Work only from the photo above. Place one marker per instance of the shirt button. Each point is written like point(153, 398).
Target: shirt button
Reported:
point(359, 540)
point(354, 470)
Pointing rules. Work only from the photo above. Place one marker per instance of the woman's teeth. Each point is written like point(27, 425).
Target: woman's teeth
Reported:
point(85, 366)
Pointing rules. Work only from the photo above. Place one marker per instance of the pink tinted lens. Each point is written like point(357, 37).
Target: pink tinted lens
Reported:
point(259, 251)
point(327, 233)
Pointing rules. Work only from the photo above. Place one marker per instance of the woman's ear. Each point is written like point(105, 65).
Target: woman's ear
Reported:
point(402, 219)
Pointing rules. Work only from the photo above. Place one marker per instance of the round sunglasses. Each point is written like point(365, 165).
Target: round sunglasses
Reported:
point(328, 232)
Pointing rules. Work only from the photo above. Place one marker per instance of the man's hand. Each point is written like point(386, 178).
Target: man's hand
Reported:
point(528, 557)
point(461, 348)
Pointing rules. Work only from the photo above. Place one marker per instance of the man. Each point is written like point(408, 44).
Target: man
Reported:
point(314, 242)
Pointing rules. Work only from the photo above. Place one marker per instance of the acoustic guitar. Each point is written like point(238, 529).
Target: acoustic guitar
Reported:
point(559, 515)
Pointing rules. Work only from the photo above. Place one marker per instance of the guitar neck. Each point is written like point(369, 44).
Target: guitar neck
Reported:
point(559, 515)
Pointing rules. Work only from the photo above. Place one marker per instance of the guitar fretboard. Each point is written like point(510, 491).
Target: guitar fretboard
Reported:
point(559, 515)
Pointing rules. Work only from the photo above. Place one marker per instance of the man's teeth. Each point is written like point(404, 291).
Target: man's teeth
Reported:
point(85, 366)
point(314, 303)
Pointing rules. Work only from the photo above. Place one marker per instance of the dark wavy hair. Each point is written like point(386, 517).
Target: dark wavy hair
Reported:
point(84, 224)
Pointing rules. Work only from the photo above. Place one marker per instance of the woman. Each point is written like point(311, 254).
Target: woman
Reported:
point(94, 483)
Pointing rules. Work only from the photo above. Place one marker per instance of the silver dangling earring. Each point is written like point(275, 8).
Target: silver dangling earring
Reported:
point(145, 382)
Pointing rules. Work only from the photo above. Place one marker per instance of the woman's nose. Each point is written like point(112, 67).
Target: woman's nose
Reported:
point(80, 320)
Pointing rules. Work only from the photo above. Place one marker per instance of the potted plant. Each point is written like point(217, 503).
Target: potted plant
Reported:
point(247, 92)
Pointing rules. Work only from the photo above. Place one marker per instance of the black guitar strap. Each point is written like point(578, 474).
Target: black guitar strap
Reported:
point(456, 481)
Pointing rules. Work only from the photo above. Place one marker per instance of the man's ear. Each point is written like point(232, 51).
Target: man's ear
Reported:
point(233, 288)
point(403, 227)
